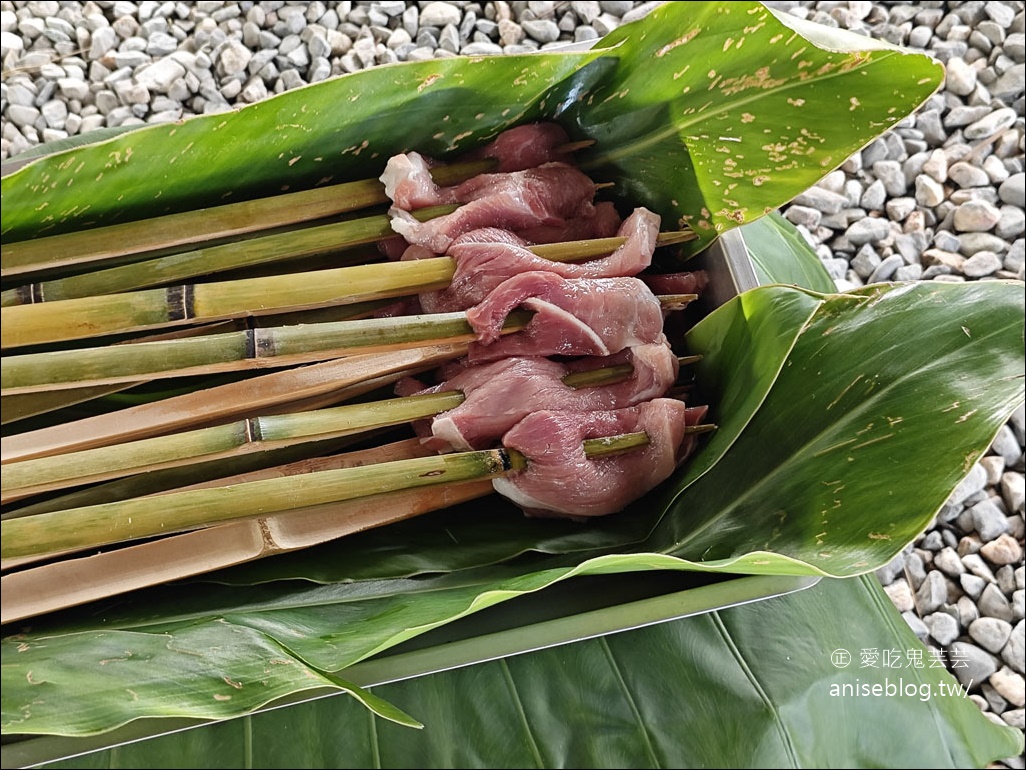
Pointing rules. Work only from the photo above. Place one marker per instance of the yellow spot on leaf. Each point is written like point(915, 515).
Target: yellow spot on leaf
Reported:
point(686, 38)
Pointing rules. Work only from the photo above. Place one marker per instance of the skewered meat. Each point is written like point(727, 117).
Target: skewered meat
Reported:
point(560, 480)
point(407, 177)
point(501, 393)
point(549, 195)
point(677, 283)
point(487, 257)
point(526, 146)
point(579, 317)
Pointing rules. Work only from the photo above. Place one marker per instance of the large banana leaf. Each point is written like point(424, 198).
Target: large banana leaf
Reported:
point(665, 136)
point(763, 497)
point(710, 113)
point(707, 691)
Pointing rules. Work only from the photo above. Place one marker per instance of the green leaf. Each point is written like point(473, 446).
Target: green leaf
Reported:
point(766, 354)
point(825, 472)
point(933, 400)
point(720, 112)
point(780, 254)
point(714, 144)
point(744, 687)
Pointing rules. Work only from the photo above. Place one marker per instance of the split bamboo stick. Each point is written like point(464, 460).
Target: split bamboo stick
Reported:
point(334, 381)
point(48, 474)
point(92, 316)
point(214, 223)
point(126, 520)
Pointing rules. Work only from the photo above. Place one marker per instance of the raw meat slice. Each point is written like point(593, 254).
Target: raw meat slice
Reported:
point(501, 393)
point(487, 257)
point(585, 316)
point(407, 176)
point(677, 283)
point(560, 480)
point(547, 195)
point(408, 183)
point(526, 146)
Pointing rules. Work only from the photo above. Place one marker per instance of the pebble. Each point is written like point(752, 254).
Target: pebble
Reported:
point(932, 593)
point(901, 595)
point(1013, 189)
point(1004, 549)
point(991, 123)
point(993, 604)
point(1009, 686)
point(1012, 654)
point(973, 585)
point(943, 627)
point(990, 633)
point(976, 216)
point(988, 520)
point(868, 230)
point(971, 664)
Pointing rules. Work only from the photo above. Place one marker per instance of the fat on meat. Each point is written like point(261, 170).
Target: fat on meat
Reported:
point(560, 480)
point(501, 393)
point(571, 317)
point(549, 195)
point(487, 257)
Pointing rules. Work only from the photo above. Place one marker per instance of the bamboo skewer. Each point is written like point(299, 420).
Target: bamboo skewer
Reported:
point(175, 268)
point(84, 317)
point(235, 351)
point(168, 233)
point(305, 387)
point(215, 223)
point(104, 524)
point(74, 581)
point(47, 474)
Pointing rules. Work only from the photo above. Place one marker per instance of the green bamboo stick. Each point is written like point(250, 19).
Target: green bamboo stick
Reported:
point(218, 222)
point(99, 525)
point(306, 387)
point(255, 434)
point(83, 317)
point(241, 350)
point(175, 268)
point(47, 474)
point(232, 351)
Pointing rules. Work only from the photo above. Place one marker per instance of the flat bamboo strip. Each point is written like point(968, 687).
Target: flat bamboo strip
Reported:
point(231, 351)
point(84, 317)
point(100, 525)
point(137, 518)
point(176, 268)
point(225, 403)
point(71, 582)
point(396, 450)
point(24, 405)
point(190, 227)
